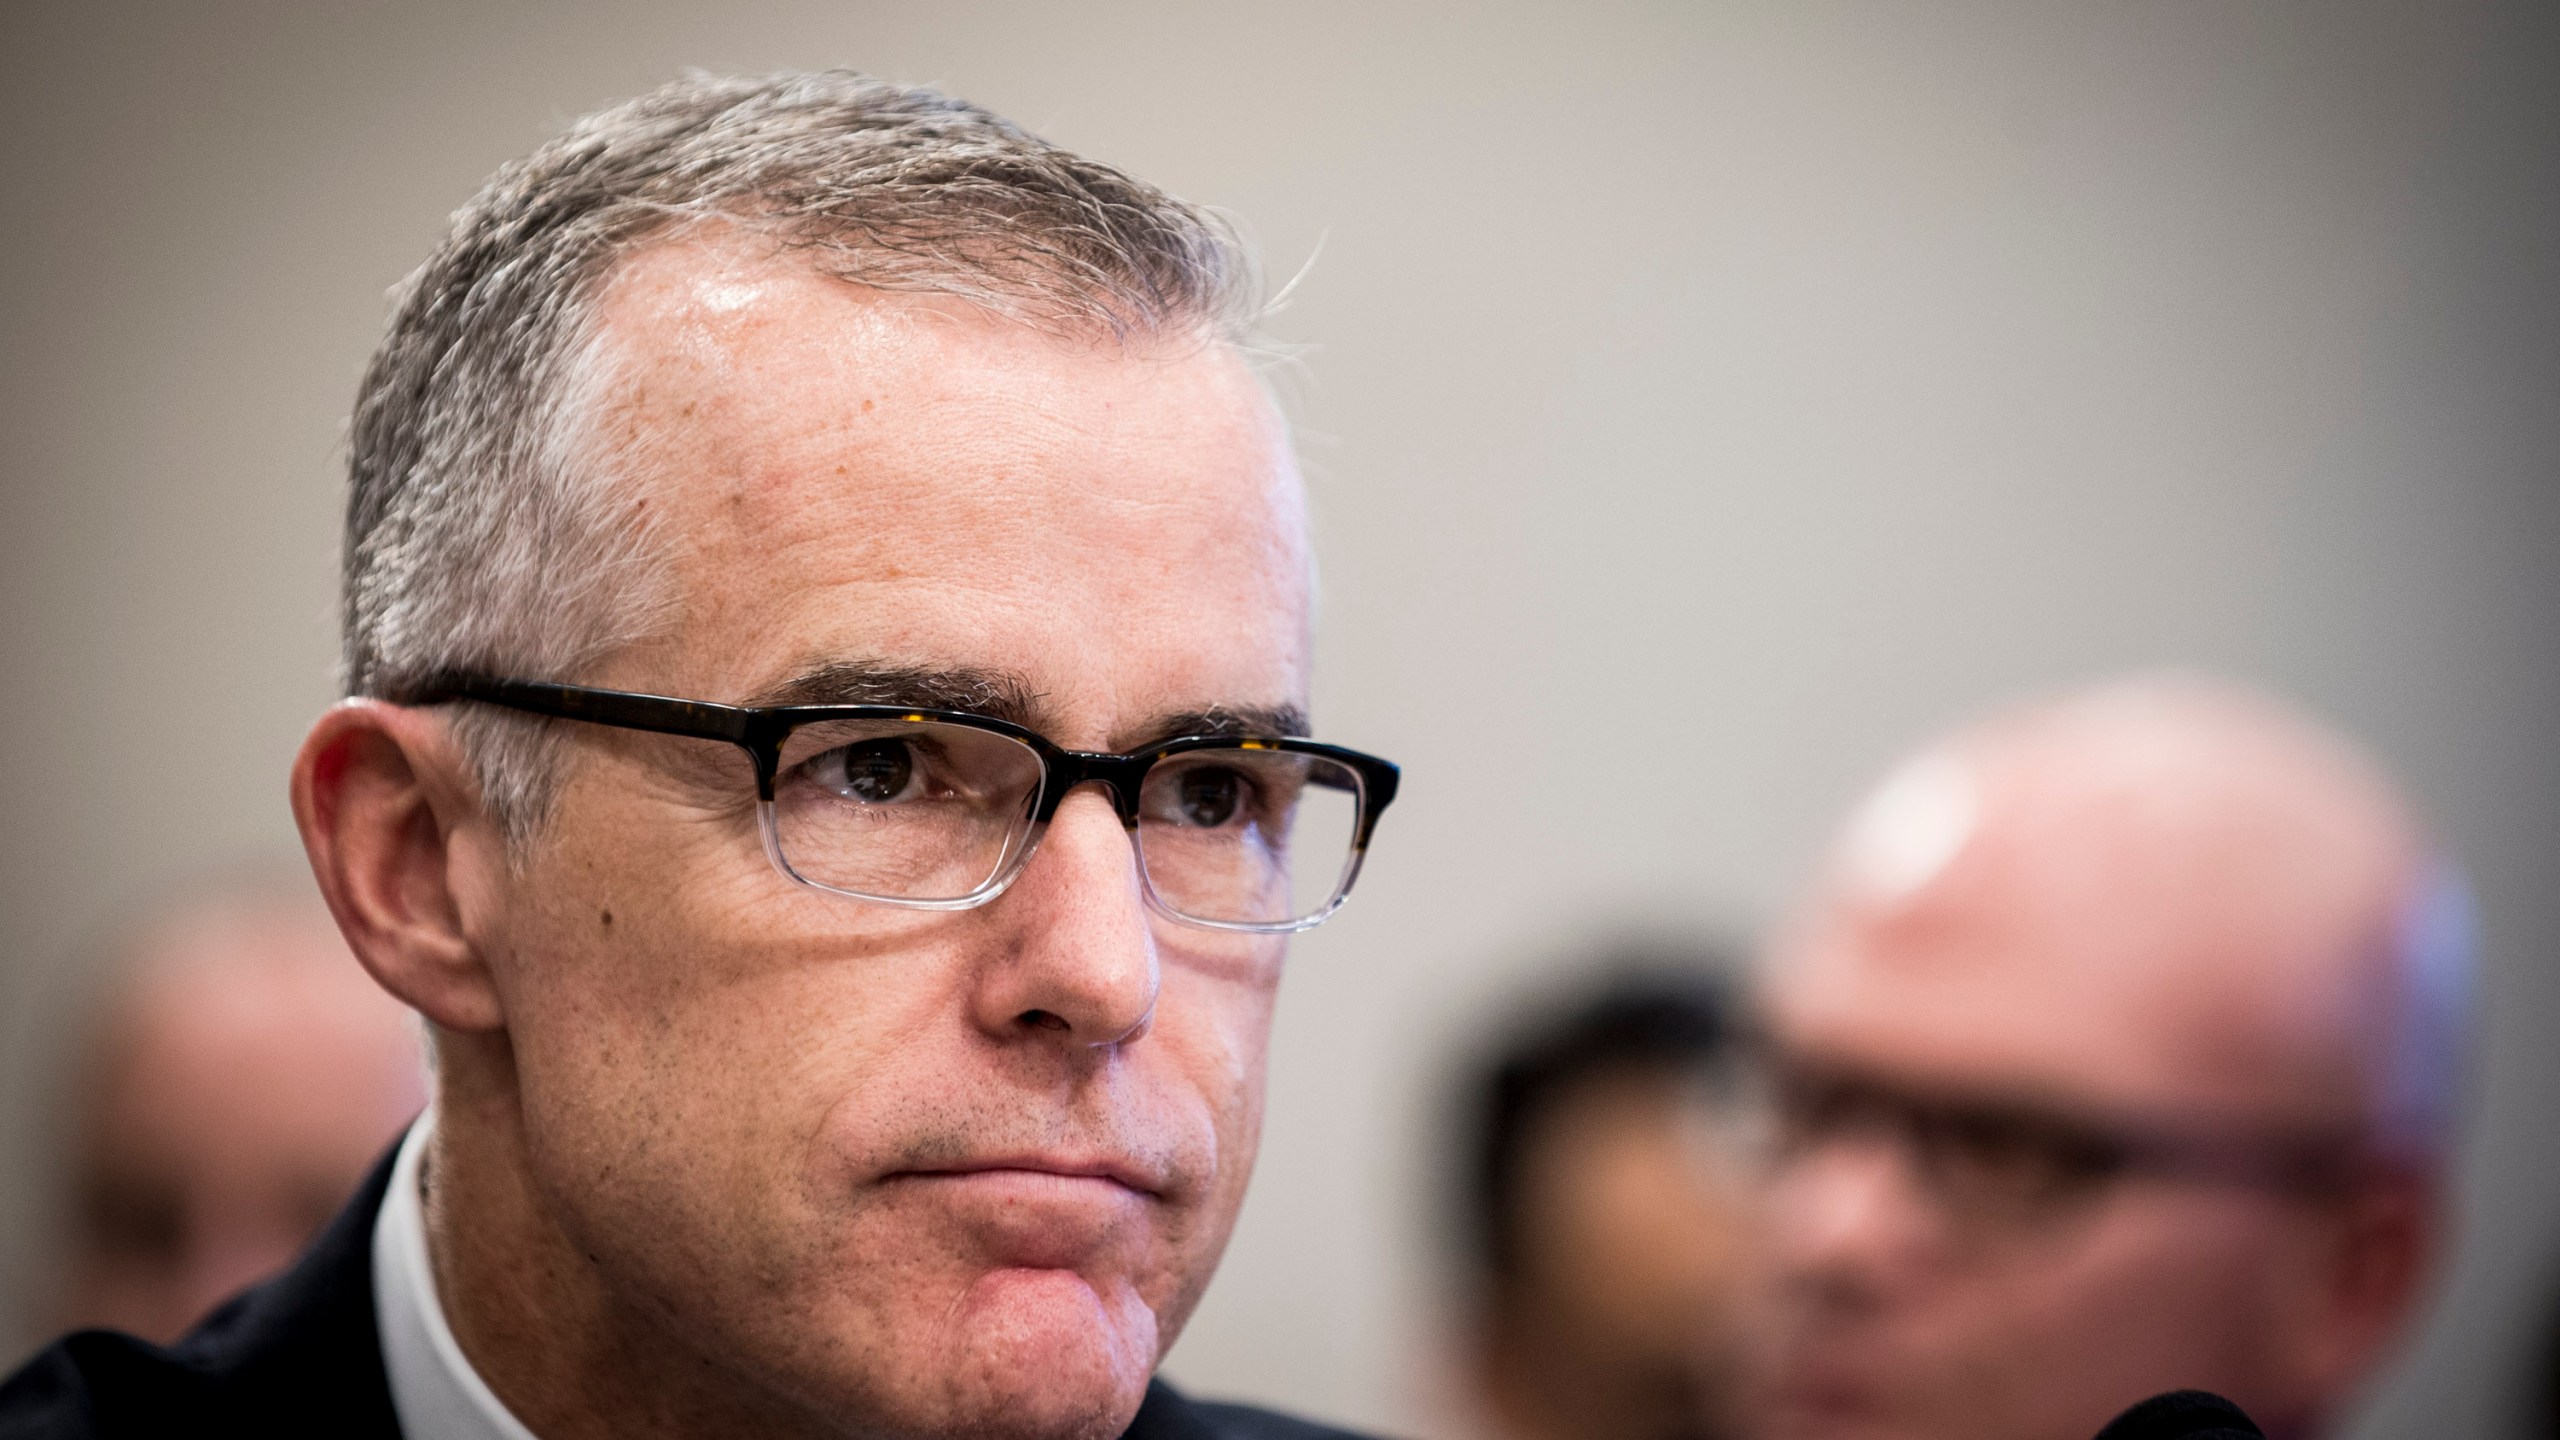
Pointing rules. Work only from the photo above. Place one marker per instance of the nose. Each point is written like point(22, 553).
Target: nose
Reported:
point(1078, 959)
point(1849, 1224)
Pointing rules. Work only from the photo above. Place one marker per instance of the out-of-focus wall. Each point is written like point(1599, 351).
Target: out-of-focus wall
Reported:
point(1706, 401)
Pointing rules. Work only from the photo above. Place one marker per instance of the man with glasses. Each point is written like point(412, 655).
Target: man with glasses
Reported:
point(827, 637)
point(2117, 1052)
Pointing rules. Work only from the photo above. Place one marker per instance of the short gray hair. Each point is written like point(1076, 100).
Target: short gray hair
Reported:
point(480, 539)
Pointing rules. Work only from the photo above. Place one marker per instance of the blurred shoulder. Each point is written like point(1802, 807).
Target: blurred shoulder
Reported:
point(97, 1383)
point(48, 1396)
point(232, 1376)
point(296, 1356)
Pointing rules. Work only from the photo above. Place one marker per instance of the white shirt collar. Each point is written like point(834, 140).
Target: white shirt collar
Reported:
point(434, 1390)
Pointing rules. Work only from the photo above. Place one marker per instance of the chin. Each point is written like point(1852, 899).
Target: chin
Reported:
point(1834, 1407)
point(1043, 1353)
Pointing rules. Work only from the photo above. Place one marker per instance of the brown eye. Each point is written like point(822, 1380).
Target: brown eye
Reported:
point(1209, 796)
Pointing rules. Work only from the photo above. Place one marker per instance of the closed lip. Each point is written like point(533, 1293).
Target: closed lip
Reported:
point(1119, 1172)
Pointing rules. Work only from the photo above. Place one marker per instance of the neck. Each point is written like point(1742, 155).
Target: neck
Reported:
point(534, 1313)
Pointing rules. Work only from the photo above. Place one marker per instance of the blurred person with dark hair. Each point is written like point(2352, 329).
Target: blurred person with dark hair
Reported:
point(243, 1075)
point(2118, 1050)
point(828, 642)
point(1608, 1216)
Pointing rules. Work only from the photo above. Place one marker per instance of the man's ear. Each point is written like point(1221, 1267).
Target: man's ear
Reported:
point(397, 838)
point(2382, 1257)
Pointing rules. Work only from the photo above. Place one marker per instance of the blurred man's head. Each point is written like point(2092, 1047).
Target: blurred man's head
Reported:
point(850, 1077)
point(243, 1076)
point(2120, 1045)
point(1609, 1215)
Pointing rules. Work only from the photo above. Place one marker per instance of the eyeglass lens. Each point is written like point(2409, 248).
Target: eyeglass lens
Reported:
point(1253, 837)
point(929, 811)
point(902, 810)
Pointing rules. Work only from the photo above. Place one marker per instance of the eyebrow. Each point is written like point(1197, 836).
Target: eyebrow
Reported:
point(998, 694)
point(1224, 720)
point(1006, 695)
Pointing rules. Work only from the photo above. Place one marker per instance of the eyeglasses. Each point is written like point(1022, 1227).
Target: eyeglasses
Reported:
point(941, 809)
point(2001, 1163)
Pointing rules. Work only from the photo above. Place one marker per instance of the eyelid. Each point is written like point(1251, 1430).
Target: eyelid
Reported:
point(920, 740)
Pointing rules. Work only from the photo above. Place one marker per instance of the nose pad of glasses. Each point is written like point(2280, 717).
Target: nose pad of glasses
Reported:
point(1124, 803)
point(1120, 795)
point(1043, 829)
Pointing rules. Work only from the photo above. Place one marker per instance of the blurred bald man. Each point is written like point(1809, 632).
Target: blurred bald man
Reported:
point(244, 1075)
point(2118, 1051)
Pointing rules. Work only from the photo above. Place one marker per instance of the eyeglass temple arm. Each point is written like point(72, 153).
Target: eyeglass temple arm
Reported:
point(1377, 782)
point(1381, 779)
point(623, 709)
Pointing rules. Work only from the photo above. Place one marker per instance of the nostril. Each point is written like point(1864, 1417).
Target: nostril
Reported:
point(1042, 1019)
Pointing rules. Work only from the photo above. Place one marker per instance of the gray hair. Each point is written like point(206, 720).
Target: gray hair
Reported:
point(481, 534)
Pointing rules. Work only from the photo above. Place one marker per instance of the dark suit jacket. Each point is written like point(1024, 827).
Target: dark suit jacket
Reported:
point(298, 1356)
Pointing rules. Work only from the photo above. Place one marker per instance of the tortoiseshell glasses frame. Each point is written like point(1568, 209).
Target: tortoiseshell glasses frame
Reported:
point(941, 809)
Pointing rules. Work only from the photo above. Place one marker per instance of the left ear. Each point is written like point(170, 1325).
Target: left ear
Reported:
point(2380, 1252)
point(392, 822)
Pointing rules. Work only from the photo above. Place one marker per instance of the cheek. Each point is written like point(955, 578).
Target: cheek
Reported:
point(670, 1070)
point(1206, 1057)
point(2159, 1291)
point(2204, 1246)
point(1214, 1015)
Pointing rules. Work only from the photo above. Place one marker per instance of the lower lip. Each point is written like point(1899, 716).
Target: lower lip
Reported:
point(1030, 1219)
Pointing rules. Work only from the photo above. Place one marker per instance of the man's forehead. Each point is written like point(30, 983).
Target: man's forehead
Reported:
point(1999, 976)
point(717, 303)
point(762, 376)
point(850, 479)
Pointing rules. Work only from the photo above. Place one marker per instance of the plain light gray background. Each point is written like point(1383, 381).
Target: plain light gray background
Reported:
point(1745, 390)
